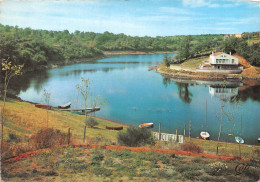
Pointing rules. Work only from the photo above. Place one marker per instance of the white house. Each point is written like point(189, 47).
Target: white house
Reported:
point(221, 62)
point(221, 58)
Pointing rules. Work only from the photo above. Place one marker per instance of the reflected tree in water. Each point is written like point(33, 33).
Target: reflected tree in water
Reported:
point(183, 89)
point(184, 93)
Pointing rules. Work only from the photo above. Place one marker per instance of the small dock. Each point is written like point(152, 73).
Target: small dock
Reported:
point(83, 110)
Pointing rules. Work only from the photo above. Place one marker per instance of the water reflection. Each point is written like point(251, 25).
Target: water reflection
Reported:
point(27, 80)
point(184, 94)
point(226, 91)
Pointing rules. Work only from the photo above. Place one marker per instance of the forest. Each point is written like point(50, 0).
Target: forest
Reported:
point(38, 48)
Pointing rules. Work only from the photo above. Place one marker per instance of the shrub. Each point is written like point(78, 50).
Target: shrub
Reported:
point(192, 148)
point(123, 154)
point(191, 175)
point(13, 137)
point(186, 168)
point(97, 157)
point(135, 137)
point(47, 138)
point(102, 171)
point(90, 122)
point(216, 168)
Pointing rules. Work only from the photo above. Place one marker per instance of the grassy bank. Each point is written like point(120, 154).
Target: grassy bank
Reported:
point(24, 119)
point(87, 164)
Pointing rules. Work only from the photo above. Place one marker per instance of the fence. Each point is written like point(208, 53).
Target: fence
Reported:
point(168, 137)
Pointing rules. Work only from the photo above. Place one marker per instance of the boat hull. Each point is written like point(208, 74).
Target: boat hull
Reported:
point(114, 128)
point(43, 106)
point(204, 135)
point(146, 125)
point(66, 106)
point(239, 140)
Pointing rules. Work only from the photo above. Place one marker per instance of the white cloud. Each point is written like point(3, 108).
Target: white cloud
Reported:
point(199, 3)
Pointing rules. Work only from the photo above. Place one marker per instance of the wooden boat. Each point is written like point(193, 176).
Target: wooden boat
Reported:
point(65, 106)
point(239, 140)
point(43, 106)
point(114, 128)
point(146, 125)
point(204, 135)
point(258, 139)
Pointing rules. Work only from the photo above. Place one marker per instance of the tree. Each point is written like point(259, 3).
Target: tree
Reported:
point(46, 99)
point(167, 60)
point(9, 71)
point(84, 90)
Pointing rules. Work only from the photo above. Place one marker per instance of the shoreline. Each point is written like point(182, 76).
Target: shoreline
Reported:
point(186, 138)
point(108, 53)
point(204, 76)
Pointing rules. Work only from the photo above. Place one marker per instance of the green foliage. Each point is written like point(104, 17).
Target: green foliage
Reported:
point(124, 154)
point(102, 171)
point(167, 60)
point(135, 137)
point(97, 157)
point(91, 122)
point(191, 175)
point(186, 168)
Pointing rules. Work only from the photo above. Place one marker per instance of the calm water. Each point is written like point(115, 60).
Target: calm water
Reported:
point(136, 95)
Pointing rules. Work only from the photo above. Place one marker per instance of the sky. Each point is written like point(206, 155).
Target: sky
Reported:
point(135, 17)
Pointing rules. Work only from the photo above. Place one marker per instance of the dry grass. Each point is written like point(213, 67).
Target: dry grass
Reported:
point(24, 119)
point(226, 149)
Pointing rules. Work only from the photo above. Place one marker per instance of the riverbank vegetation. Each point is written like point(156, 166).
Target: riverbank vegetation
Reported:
point(95, 164)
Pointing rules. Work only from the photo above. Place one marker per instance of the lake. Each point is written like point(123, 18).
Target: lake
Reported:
point(136, 95)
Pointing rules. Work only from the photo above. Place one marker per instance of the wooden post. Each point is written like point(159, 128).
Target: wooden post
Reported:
point(68, 136)
point(84, 134)
point(176, 135)
point(239, 149)
point(159, 132)
point(184, 133)
point(190, 129)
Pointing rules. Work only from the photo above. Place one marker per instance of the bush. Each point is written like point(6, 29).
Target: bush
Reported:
point(192, 148)
point(191, 175)
point(48, 138)
point(91, 122)
point(97, 157)
point(216, 168)
point(13, 137)
point(102, 171)
point(135, 137)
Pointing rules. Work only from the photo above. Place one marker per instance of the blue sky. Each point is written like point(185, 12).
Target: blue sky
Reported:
point(135, 17)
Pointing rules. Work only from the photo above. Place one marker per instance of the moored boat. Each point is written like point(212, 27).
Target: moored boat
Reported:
point(258, 139)
point(114, 128)
point(65, 106)
point(43, 106)
point(204, 135)
point(146, 125)
point(239, 140)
